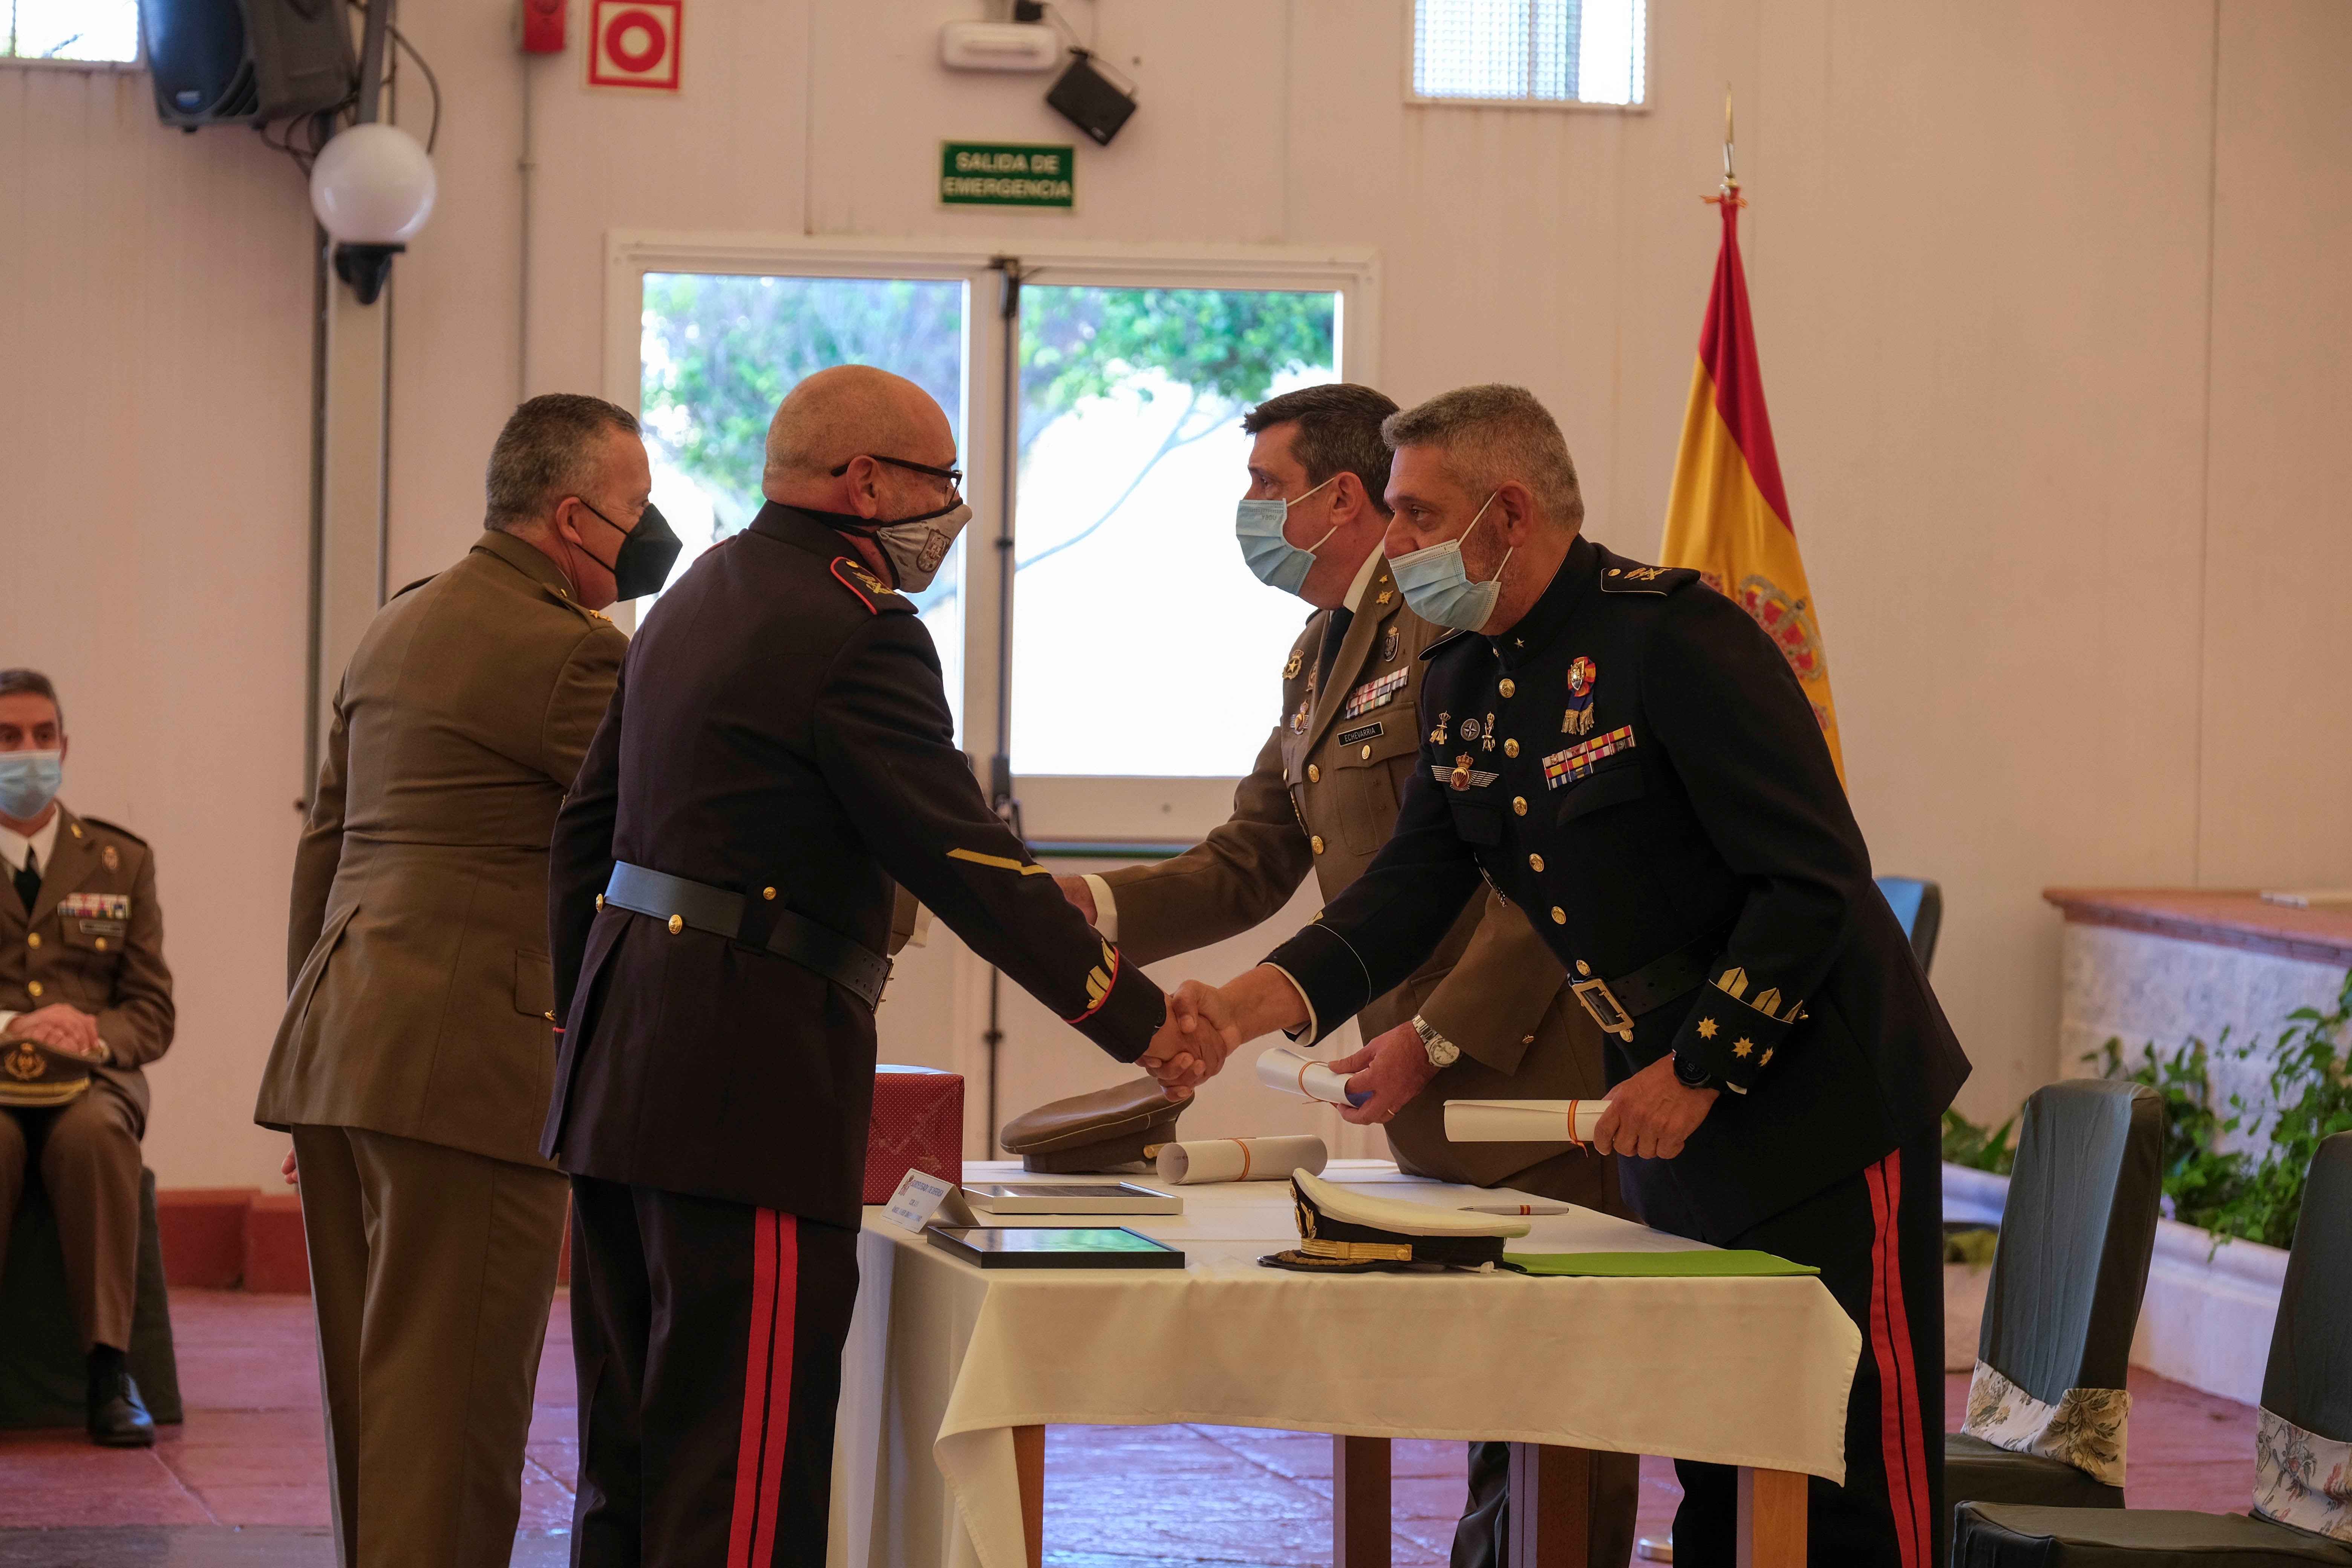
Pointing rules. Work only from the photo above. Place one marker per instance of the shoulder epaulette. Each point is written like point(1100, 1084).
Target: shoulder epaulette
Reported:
point(1448, 640)
point(872, 592)
point(418, 584)
point(1646, 579)
point(117, 829)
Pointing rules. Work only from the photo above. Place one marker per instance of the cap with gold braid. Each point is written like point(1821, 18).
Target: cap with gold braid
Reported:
point(34, 1077)
point(1343, 1231)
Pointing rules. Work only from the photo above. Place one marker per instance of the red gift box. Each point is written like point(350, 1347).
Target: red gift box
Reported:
point(917, 1126)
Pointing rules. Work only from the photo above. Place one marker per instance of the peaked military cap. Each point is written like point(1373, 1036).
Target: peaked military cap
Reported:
point(1106, 1131)
point(34, 1077)
point(1344, 1231)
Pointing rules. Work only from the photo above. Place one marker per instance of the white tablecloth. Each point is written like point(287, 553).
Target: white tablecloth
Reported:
point(945, 1359)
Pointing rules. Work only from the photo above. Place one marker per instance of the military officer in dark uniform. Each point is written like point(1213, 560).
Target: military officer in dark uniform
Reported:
point(1647, 783)
point(85, 1004)
point(779, 758)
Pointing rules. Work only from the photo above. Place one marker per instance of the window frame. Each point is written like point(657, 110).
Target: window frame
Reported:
point(1085, 805)
point(137, 62)
point(1552, 105)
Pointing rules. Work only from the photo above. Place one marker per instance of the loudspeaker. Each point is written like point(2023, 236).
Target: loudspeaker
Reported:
point(247, 62)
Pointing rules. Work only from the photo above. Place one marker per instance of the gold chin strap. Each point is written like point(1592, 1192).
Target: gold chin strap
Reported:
point(1354, 1251)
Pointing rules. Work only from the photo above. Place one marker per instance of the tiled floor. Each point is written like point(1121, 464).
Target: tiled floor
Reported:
point(243, 1483)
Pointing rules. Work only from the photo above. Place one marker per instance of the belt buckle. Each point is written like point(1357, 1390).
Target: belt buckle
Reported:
point(1606, 1010)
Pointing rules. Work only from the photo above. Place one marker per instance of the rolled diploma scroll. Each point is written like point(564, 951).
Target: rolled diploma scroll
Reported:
point(1522, 1120)
point(1240, 1160)
point(1293, 1073)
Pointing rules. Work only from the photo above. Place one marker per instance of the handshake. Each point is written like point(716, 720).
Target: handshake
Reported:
point(1201, 1029)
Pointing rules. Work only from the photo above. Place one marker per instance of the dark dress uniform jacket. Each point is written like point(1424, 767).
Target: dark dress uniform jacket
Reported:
point(781, 723)
point(1694, 807)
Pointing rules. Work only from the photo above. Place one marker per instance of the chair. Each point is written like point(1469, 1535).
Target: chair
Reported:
point(1919, 909)
point(2306, 1413)
point(2063, 1299)
point(43, 1379)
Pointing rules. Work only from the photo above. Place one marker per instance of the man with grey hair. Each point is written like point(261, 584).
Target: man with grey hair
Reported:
point(414, 1062)
point(1625, 755)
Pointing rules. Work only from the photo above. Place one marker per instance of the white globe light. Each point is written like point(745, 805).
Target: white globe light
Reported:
point(372, 185)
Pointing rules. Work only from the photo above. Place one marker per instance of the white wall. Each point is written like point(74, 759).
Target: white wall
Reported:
point(2046, 301)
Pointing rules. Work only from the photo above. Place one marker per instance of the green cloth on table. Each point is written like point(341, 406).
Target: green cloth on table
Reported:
point(1692, 1265)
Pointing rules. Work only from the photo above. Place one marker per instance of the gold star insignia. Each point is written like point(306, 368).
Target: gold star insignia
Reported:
point(1706, 1028)
point(1385, 596)
point(1766, 1060)
point(1740, 1047)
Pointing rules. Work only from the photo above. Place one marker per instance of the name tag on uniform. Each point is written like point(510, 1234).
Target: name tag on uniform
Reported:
point(1374, 694)
point(113, 907)
point(1364, 733)
point(1567, 766)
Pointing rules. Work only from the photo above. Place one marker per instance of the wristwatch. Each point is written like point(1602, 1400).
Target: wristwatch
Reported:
point(1442, 1052)
point(1690, 1075)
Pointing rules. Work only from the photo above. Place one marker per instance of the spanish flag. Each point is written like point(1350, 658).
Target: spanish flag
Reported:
point(1728, 515)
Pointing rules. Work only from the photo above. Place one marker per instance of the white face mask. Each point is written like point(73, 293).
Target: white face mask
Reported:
point(1437, 584)
point(29, 780)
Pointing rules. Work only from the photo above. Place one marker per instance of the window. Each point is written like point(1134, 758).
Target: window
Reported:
point(718, 352)
point(1131, 459)
point(81, 30)
point(1528, 51)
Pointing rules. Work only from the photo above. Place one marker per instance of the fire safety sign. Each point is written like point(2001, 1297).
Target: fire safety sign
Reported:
point(633, 44)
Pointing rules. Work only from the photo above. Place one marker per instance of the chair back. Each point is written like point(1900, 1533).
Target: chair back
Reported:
point(2309, 1380)
point(1919, 909)
point(2076, 1237)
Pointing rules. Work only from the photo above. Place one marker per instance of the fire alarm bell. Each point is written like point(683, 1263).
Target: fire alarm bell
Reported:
point(542, 26)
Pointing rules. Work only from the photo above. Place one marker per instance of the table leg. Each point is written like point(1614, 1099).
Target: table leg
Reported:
point(1360, 1502)
point(1771, 1518)
point(1029, 1469)
point(1551, 1507)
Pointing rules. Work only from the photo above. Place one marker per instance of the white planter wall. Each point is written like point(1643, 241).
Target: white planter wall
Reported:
point(2206, 1319)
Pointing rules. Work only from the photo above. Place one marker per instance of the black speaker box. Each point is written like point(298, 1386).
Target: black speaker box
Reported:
point(247, 62)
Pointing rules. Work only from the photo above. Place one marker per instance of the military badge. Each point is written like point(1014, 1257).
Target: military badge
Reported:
point(1390, 644)
point(1470, 731)
point(1437, 736)
point(94, 907)
point(1374, 694)
point(1581, 676)
point(1567, 766)
point(108, 859)
point(1290, 670)
point(1387, 596)
point(1490, 734)
point(1462, 775)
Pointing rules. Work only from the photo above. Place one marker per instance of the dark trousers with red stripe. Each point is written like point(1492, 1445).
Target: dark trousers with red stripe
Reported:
point(707, 1337)
point(1878, 1239)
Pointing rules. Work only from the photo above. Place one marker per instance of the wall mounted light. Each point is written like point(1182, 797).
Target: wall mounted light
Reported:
point(372, 188)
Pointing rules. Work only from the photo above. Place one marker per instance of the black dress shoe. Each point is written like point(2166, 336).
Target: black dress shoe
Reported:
point(118, 1417)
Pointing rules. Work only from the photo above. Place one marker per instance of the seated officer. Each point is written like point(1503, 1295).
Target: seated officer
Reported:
point(84, 1003)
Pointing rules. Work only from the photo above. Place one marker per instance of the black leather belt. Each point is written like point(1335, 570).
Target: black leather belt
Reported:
point(1615, 1004)
point(850, 964)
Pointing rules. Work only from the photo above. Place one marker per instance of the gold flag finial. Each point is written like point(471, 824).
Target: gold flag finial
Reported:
point(1731, 180)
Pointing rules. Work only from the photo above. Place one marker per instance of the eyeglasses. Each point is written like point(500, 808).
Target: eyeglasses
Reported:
point(952, 476)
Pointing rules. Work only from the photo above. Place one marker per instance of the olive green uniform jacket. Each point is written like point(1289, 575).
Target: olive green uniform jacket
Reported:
point(421, 1002)
point(1322, 797)
point(94, 938)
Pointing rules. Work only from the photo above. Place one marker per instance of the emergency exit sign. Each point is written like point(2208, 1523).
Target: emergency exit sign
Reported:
point(1006, 174)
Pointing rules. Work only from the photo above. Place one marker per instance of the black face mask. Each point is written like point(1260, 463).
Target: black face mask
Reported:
point(648, 553)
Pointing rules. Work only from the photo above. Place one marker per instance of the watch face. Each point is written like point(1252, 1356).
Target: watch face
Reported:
point(1444, 1053)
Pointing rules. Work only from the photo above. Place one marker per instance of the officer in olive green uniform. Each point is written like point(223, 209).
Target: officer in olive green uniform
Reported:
point(1490, 1011)
point(416, 1055)
point(85, 1004)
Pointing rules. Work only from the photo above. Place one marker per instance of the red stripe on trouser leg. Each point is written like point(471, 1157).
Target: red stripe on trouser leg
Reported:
point(1908, 1507)
point(780, 1385)
point(767, 1359)
point(1907, 1369)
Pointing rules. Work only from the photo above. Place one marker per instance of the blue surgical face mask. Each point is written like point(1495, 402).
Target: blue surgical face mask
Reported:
point(29, 780)
point(1277, 562)
point(1438, 586)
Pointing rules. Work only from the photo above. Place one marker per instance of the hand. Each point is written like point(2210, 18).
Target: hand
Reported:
point(1081, 897)
point(63, 1027)
point(1197, 1037)
point(1651, 1113)
point(1392, 1069)
point(293, 1178)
